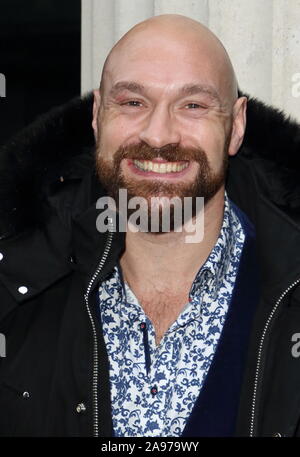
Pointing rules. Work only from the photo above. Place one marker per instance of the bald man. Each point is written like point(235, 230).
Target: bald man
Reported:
point(151, 109)
point(128, 326)
point(168, 97)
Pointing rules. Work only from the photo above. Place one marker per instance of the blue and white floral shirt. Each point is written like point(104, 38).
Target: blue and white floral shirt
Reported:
point(154, 388)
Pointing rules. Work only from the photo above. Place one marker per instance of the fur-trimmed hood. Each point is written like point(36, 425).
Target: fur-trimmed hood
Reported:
point(50, 278)
point(60, 144)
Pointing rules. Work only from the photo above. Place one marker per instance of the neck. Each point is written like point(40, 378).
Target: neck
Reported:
point(166, 259)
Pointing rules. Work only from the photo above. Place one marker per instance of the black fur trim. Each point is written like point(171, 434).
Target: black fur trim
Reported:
point(62, 140)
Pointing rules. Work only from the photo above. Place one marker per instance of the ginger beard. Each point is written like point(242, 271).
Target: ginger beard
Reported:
point(206, 183)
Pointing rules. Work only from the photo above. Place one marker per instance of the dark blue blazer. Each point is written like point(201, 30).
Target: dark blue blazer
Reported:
point(215, 410)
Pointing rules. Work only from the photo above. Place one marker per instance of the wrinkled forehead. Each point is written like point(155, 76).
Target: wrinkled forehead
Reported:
point(169, 62)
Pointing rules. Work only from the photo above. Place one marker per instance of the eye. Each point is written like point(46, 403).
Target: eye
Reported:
point(132, 103)
point(195, 106)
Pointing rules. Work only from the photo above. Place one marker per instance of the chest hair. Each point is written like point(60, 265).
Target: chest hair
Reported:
point(162, 308)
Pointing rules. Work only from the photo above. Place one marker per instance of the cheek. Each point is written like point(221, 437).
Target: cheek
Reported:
point(109, 141)
point(115, 132)
point(211, 137)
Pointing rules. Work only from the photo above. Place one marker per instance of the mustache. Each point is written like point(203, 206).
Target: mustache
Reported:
point(170, 153)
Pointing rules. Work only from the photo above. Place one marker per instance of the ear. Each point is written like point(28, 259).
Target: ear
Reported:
point(238, 126)
point(96, 107)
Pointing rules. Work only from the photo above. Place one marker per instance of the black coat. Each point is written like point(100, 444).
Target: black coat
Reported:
point(54, 379)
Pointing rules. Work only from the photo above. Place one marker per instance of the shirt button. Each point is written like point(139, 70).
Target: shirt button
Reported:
point(1, 256)
point(23, 290)
point(154, 390)
point(80, 408)
point(143, 325)
point(25, 394)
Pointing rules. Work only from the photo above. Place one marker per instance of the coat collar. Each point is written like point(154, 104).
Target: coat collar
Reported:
point(50, 165)
point(59, 145)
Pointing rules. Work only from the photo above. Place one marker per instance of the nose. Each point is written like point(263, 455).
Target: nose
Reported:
point(160, 129)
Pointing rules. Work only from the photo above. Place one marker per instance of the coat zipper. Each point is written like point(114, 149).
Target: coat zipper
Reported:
point(95, 339)
point(260, 351)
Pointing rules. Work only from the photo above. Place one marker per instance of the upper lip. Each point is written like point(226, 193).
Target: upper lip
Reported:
point(158, 159)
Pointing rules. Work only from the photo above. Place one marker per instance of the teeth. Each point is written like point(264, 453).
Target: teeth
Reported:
point(170, 167)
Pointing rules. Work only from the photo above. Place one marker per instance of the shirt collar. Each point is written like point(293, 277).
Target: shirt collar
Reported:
point(216, 265)
point(212, 271)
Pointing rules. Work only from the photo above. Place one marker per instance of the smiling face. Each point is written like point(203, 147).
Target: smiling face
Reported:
point(167, 116)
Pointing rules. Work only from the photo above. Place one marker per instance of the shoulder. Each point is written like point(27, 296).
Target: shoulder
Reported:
point(49, 157)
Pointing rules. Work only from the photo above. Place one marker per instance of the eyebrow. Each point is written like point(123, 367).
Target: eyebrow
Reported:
point(186, 90)
point(193, 89)
point(131, 86)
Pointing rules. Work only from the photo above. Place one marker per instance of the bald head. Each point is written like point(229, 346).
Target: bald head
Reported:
point(167, 84)
point(187, 39)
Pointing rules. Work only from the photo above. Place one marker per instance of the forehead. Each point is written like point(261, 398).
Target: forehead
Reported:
point(166, 64)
